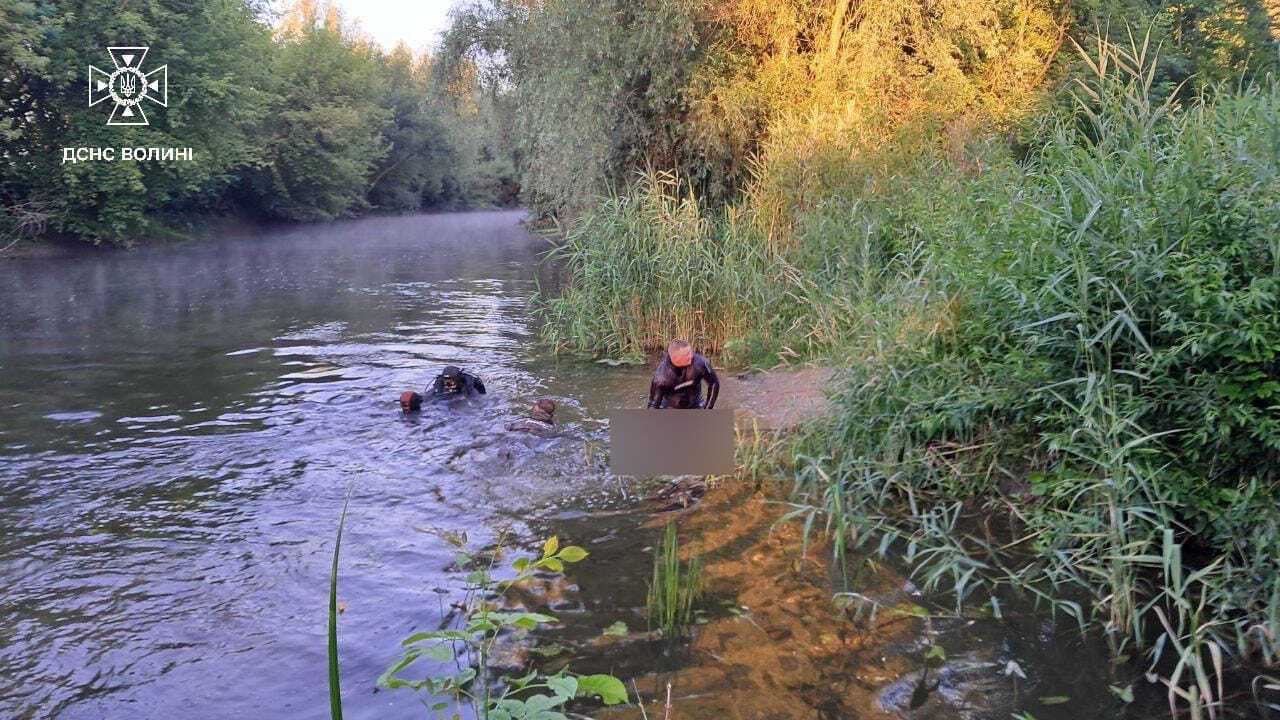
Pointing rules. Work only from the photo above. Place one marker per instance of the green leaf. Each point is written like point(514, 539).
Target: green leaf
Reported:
point(525, 620)
point(539, 703)
point(1054, 699)
point(618, 629)
point(552, 564)
point(439, 653)
point(433, 635)
point(608, 688)
point(511, 709)
point(388, 678)
point(550, 546)
point(573, 554)
point(564, 686)
point(335, 683)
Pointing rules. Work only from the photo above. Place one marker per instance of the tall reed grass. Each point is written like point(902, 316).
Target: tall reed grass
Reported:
point(1063, 369)
point(1107, 388)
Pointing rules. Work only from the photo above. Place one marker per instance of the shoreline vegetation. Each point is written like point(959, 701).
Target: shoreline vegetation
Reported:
point(1051, 283)
point(195, 229)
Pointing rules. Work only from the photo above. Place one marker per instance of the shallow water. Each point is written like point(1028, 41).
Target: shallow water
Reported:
point(179, 427)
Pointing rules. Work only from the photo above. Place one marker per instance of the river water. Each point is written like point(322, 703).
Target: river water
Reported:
point(179, 428)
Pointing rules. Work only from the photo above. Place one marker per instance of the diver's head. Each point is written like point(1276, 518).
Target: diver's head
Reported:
point(545, 410)
point(451, 378)
point(680, 352)
point(410, 401)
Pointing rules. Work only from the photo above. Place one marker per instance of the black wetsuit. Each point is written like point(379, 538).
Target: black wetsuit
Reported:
point(674, 387)
point(466, 384)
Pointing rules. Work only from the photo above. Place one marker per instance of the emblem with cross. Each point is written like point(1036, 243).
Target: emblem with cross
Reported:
point(128, 86)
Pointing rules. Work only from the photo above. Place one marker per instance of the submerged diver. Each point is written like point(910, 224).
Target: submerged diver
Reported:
point(453, 381)
point(677, 383)
point(497, 453)
point(541, 420)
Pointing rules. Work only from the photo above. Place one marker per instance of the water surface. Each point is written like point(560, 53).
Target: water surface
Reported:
point(179, 428)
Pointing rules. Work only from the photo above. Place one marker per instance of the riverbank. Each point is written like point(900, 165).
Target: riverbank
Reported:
point(193, 228)
point(1090, 360)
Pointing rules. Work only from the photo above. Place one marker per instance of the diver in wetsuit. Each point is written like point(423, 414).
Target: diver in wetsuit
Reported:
point(677, 383)
point(453, 381)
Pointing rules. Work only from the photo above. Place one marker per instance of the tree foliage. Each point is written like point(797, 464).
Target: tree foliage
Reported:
point(304, 120)
point(774, 97)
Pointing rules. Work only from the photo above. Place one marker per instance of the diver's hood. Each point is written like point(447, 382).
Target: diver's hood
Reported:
point(452, 371)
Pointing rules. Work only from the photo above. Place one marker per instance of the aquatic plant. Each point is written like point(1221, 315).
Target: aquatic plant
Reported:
point(469, 646)
point(335, 680)
point(675, 589)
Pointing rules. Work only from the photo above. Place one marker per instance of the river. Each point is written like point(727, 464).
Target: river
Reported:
point(180, 427)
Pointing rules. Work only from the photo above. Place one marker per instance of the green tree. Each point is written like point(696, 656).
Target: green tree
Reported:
point(215, 50)
point(325, 141)
point(417, 169)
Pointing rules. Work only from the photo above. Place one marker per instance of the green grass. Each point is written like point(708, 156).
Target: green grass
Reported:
point(335, 680)
point(675, 589)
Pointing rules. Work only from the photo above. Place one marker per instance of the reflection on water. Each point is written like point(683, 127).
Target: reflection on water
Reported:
point(179, 427)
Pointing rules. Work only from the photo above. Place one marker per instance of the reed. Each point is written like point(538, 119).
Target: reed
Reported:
point(335, 679)
point(675, 589)
point(1062, 366)
point(1097, 385)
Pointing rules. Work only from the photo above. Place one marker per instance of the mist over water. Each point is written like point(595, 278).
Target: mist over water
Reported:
point(179, 427)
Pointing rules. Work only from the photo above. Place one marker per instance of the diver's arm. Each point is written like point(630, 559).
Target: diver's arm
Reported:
point(437, 386)
point(713, 386)
point(479, 384)
point(655, 394)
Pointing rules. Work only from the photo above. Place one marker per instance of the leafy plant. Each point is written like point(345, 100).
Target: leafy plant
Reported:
point(469, 646)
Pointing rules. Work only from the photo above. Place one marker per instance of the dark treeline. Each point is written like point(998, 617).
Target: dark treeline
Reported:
point(292, 117)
